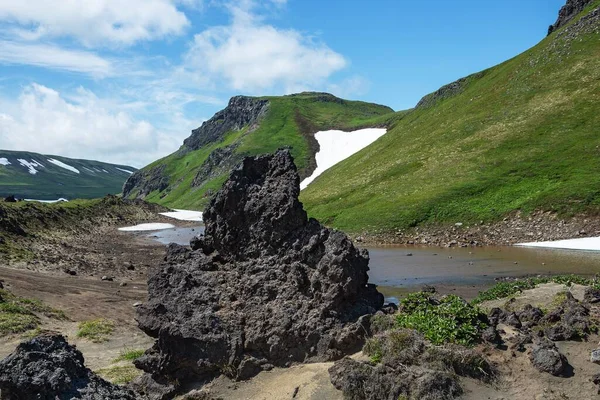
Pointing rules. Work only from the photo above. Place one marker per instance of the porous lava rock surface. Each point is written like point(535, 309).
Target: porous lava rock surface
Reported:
point(48, 368)
point(265, 286)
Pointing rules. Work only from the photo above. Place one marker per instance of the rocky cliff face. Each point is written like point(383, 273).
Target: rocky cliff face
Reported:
point(265, 286)
point(567, 12)
point(241, 112)
point(447, 91)
point(48, 368)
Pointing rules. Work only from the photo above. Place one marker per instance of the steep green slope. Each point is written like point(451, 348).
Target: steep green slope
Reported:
point(248, 126)
point(523, 135)
point(33, 176)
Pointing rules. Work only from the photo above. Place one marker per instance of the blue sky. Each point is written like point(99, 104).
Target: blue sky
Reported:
point(97, 79)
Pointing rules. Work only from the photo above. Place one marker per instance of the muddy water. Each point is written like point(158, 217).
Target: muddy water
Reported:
point(399, 269)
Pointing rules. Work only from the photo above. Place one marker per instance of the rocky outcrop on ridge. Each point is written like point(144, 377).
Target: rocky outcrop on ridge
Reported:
point(447, 91)
point(567, 12)
point(241, 111)
point(48, 368)
point(265, 286)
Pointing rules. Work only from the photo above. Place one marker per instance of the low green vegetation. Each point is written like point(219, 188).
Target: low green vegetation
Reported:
point(509, 288)
point(448, 320)
point(97, 330)
point(20, 315)
point(119, 374)
point(519, 136)
point(129, 355)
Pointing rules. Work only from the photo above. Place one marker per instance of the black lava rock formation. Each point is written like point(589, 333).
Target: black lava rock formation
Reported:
point(265, 286)
point(567, 12)
point(48, 368)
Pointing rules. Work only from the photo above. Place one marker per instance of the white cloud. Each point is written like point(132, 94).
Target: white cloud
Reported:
point(82, 126)
point(49, 56)
point(249, 55)
point(95, 22)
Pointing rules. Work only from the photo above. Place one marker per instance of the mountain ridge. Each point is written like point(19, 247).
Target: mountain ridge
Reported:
point(48, 177)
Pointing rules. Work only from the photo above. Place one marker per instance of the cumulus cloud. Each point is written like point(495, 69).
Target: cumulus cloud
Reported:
point(82, 126)
point(249, 55)
point(94, 22)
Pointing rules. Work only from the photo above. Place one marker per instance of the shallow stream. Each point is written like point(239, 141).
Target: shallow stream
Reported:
point(400, 268)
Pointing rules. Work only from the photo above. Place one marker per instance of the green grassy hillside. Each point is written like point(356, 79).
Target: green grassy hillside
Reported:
point(289, 122)
point(32, 176)
point(524, 135)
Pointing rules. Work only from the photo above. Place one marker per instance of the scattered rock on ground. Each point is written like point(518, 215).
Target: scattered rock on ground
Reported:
point(546, 357)
point(48, 368)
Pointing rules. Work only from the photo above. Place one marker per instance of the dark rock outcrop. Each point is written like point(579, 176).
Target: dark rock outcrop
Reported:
point(241, 111)
point(447, 91)
point(48, 368)
point(10, 199)
point(546, 357)
point(143, 182)
point(567, 12)
point(265, 286)
point(219, 162)
point(362, 381)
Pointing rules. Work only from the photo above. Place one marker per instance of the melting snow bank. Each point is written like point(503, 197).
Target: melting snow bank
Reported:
point(63, 165)
point(184, 215)
point(62, 199)
point(336, 146)
point(590, 243)
point(156, 226)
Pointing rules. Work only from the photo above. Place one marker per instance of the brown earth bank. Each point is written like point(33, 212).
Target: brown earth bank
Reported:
point(516, 228)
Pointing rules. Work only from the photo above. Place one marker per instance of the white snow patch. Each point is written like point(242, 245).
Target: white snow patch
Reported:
point(124, 170)
point(4, 161)
point(589, 243)
point(336, 146)
point(63, 165)
point(29, 165)
point(90, 170)
point(103, 170)
point(184, 215)
point(155, 226)
point(60, 200)
point(37, 164)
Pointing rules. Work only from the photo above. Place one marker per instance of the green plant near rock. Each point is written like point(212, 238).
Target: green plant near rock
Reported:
point(119, 374)
point(448, 320)
point(129, 355)
point(97, 330)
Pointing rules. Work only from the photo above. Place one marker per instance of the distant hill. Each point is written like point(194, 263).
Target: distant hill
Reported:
point(247, 126)
point(45, 177)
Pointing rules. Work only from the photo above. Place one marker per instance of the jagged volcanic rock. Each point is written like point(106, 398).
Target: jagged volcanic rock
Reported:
point(567, 12)
point(48, 368)
point(265, 286)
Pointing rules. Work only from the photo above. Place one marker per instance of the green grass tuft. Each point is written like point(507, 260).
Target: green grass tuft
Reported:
point(98, 330)
point(119, 374)
point(129, 355)
point(18, 314)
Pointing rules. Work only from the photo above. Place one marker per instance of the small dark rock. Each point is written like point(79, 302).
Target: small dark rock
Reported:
point(107, 278)
point(10, 199)
point(595, 356)
point(428, 289)
point(70, 271)
point(545, 357)
point(592, 295)
point(490, 335)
